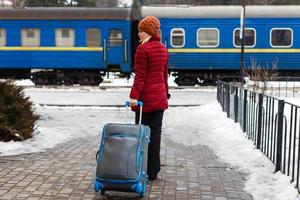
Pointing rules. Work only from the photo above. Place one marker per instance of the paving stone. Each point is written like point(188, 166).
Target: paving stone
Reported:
point(23, 195)
point(9, 196)
point(67, 172)
point(33, 198)
point(220, 198)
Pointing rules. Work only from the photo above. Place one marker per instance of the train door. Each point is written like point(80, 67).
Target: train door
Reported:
point(115, 54)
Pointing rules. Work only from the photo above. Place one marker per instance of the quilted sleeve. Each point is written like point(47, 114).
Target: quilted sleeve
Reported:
point(166, 77)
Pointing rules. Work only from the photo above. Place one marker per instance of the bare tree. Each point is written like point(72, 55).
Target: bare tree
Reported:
point(260, 2)
point(261, 74)
point(19, 3)
point(107, 3)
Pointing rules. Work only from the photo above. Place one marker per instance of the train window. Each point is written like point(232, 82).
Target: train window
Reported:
point(115, 37)
point(250, 37)
point(64, 37)
point(207, 37)
point(177, 37)
point(93, 37)
point(2, 37)
point(281, 37)
point(30, 37)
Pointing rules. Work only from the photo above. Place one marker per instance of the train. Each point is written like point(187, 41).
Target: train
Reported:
point(80, 45)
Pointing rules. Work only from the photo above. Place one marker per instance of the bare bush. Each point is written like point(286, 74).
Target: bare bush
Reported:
point(261, 74)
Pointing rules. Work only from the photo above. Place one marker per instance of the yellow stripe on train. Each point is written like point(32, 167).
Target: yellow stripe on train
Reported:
point(233, 50)
point(51, 49)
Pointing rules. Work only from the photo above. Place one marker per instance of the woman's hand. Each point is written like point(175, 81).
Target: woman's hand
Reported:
point(133, 102)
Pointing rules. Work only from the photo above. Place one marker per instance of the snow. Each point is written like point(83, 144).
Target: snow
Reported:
point(6, 3)
point(25, 82)
point(125, 3)
point(57, 126)
point(204, 124)
point(229, 143)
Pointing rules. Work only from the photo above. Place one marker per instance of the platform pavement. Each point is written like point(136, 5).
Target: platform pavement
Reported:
point(67, 172)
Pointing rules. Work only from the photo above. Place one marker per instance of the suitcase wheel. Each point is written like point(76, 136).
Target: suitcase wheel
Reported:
point(142, 194)
point(140, 188)
point(102, 192)
point(98, 186)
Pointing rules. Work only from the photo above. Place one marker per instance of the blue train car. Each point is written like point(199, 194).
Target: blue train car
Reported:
point(79, 45)
point(204, 41)
point(65, 45)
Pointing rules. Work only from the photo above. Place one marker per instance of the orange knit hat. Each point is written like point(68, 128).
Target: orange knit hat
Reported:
point(150, 25)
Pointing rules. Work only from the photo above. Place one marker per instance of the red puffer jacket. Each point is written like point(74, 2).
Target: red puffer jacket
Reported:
point(151, 75)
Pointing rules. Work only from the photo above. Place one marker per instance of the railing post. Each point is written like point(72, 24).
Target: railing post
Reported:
point(236, 105)
point(218, 90)
point(223, 96)
point(259, 118)
point(279, 135)
point(228, 100)
point(245, 110)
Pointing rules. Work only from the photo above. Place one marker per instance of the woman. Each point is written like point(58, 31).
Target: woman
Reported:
point(151, 86)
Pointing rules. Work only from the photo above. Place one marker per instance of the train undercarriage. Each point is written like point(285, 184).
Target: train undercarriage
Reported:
point(203, 77)
point(56, 77)
point(95, 77)
point(209, 77)
point(67, 77)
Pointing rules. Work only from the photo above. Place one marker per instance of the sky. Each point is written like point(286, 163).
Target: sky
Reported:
point(205, 124)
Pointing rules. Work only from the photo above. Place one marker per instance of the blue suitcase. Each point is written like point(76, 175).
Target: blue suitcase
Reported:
point(122, 158)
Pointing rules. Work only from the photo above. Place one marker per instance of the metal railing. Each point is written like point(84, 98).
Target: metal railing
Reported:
point(270, 122)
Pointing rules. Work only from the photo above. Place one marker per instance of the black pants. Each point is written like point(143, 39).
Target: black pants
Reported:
point(154, 121)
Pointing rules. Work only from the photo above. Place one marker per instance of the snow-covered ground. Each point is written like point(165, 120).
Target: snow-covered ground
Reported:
point(205, 124)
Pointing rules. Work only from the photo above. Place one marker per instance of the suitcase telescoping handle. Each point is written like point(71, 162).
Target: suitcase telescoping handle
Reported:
point(140, 104)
